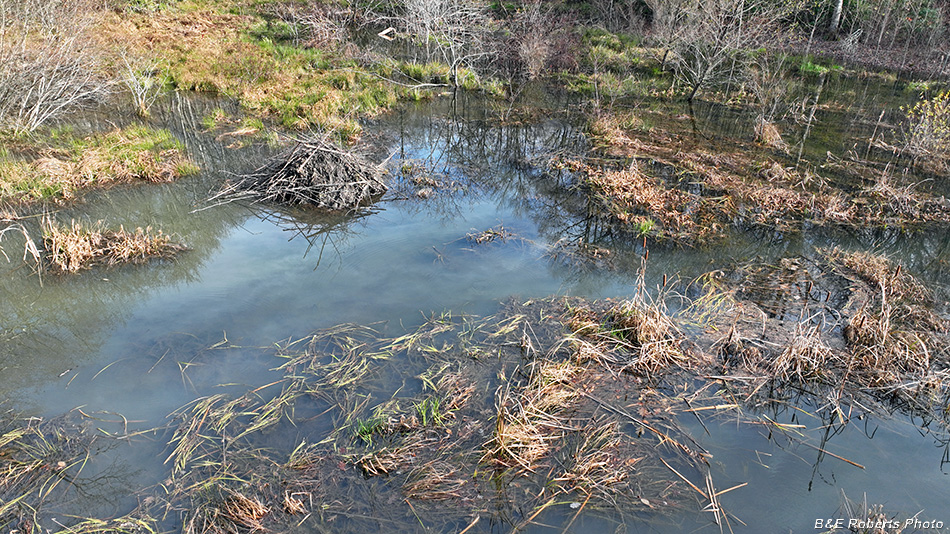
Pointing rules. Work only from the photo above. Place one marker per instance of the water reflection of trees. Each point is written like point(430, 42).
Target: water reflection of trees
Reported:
point(66, 318)
point(507, 163)
point(318, 228)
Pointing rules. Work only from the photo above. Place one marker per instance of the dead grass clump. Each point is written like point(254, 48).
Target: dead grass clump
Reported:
point(594, 465)
point(225, 511)
point(885, 350)
point(833, 327)
point(76, 247)
point(607, 128)
point(436, 481)
point(389, 460)
point(316, 172)
point(878, 271)
point(631, 194)
point(244, 511)
point(806, 357)
point(771, 203)
point(293, 504)
point(652, 330)
point(767, 134)
point(529, 421)
point(637, 335)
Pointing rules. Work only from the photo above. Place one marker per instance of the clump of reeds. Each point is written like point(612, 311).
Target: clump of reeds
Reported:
point(806, 356)
point(607, 128)
point(76, 247)
point(879, 272)
point(593, 465)
point(221, 510)
point(647, 325)
point(530, 420)
point(864, 518)
point(315, 172)
point(637, 334)
point(885, 348)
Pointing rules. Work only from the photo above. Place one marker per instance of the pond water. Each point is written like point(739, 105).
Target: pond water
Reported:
point(142, 341)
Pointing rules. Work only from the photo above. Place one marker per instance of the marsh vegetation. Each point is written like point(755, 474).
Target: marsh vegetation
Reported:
point(664, 252)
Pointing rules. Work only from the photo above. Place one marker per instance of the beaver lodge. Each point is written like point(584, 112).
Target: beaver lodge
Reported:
point(314, 172)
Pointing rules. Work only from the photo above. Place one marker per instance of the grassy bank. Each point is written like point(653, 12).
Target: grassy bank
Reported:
point(69, 163)
point(269, 65)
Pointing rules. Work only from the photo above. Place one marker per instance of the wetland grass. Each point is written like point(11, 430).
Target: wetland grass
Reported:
point(75, 247)
point(500, 401)
point(72, 163)
point(41, 474)
point(693, 193)
point(848, 327)
point(550, 402)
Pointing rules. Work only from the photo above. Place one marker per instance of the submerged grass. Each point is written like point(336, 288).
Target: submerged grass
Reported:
point(41, 473)
point(695, 192)
point(550, 402)
point(502, 402)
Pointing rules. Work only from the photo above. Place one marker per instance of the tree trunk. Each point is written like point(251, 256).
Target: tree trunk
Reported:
point(836, 17)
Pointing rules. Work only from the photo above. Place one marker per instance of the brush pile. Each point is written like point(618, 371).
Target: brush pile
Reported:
point(315, 172)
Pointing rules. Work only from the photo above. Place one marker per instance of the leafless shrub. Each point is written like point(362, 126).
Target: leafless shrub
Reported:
point(48, 63)
point(536, 40)
point(455, 32)
point(313, 24)
point(145, 82)
point(711, 39)
point(534, 45)
point(619, 15)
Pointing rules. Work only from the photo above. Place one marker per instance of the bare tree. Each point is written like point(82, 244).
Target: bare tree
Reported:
point(668, 25)
point(48, 65)
point(620, 15)
point(717, 36)
point(453, 31)
point(835, 16)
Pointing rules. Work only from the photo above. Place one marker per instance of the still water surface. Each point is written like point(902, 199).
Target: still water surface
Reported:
point(140, 341)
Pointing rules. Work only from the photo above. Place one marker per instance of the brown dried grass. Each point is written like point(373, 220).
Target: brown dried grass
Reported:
point(246, 512)
point(529, 421)
point(878, 271)
point(806, 357)
point(76, 247)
